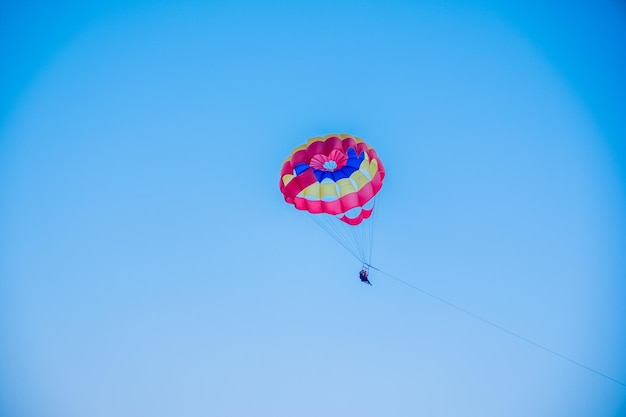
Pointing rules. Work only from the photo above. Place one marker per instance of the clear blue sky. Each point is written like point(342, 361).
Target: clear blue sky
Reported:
point(149, 266)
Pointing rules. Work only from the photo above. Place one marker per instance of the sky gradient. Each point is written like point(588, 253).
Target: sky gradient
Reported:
point(149, 265)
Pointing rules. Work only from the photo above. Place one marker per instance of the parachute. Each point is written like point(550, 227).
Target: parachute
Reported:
point(335, 178)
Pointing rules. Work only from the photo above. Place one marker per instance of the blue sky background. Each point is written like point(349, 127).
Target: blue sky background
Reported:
point(149, 266)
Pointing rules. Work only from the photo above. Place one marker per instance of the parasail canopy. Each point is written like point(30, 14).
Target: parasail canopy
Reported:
point(336, 174)
point(336, 178)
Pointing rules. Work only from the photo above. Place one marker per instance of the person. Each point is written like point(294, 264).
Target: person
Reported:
point(363, 276)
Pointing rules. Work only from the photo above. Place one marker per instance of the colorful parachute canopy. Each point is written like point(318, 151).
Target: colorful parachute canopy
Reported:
point(336, 174)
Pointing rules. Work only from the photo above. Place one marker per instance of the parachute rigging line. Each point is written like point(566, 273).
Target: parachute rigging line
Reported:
point(501, 328)
point(357, 240)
